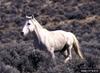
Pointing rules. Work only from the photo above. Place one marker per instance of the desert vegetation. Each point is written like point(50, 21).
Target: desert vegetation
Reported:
point(20, 55)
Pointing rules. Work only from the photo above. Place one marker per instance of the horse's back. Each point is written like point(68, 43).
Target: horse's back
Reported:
point(68, 36)
point(64, 33)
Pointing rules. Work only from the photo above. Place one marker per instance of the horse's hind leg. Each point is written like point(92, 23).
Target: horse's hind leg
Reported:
point(68, 54)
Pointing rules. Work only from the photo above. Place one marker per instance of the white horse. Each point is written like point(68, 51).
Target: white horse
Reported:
point(53, 40)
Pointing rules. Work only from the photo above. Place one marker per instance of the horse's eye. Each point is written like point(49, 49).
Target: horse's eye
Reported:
point(28, 23)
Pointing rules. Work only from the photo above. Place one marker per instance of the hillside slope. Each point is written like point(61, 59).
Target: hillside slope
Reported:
point(19, 55)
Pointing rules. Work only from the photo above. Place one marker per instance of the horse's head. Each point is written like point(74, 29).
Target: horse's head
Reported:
point(29, 26)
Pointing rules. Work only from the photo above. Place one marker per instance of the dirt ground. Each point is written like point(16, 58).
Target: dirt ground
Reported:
point(19, 55)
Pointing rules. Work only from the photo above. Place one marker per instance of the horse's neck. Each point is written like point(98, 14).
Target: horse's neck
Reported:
point(37, 24)
point(39, 31)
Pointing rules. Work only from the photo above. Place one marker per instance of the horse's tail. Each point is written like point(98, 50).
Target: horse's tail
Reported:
point(77, 47)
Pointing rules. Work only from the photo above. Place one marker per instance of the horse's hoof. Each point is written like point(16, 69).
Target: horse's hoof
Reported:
point(66, 60)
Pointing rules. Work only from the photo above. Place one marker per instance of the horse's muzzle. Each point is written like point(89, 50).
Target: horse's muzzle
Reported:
point(22, 34)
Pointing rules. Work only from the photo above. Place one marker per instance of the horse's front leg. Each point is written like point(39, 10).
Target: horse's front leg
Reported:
point(51, 50)
point(52, 53)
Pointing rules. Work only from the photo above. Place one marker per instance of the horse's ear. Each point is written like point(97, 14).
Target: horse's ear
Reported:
point(28, 17)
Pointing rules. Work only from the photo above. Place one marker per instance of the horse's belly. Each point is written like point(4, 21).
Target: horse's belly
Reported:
point(60, 47)
point(59, 44)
